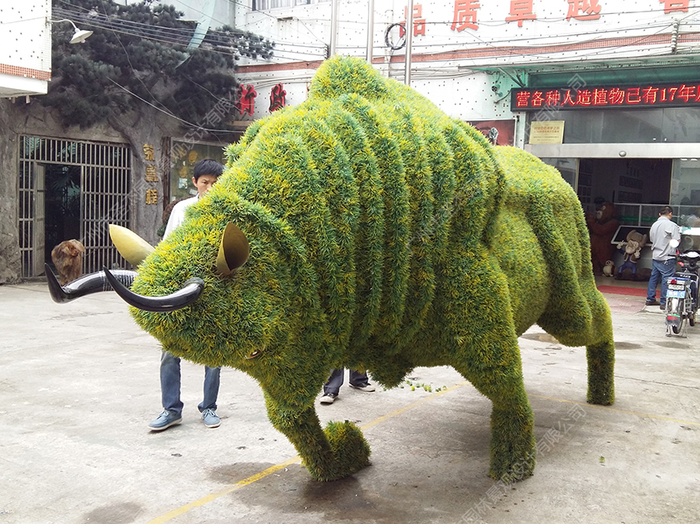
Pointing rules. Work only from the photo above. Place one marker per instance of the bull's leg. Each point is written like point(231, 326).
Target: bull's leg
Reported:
point(601, 380)
point(486, 353)
point(596, 333)
point(512, 447)
point(335, 453)
point(601, 353)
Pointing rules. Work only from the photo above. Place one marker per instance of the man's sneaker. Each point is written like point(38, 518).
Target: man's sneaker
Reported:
point(652, 303)
point(364, 387)
point(165, 420)
point(328, 398)
point(210, 418)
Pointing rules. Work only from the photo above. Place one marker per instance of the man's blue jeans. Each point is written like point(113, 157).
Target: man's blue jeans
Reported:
point(170, 384)
point(660, 270)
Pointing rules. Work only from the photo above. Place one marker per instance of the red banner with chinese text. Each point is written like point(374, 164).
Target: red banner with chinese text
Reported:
point(606, 97)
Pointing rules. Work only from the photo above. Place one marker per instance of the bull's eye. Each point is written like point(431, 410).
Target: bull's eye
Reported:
point(254, 354)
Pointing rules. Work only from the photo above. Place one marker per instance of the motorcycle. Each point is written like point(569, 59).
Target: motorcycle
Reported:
point(682, 294)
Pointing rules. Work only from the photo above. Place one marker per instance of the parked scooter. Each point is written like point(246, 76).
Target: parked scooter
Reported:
point(682, 296)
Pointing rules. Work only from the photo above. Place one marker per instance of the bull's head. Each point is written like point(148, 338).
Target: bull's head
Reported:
point(233, 253)
point(186, 281)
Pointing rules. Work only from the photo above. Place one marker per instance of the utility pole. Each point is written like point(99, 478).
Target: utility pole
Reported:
point(370, 32)
point(409, 43)
point(334, 27)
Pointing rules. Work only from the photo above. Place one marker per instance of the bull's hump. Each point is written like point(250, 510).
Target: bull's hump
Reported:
point(339, 76)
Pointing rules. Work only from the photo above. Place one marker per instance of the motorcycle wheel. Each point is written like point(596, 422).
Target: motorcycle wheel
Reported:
point(691, 320)
point(682, 328)
point(676, 305)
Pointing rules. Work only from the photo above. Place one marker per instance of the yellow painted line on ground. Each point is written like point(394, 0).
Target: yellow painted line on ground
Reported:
point(273, 469)
point(608, 408)
point(225, 491)
point(415, 404)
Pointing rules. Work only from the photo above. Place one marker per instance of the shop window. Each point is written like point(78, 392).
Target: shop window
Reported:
point(670, 125)
point(685, 190)
point(184, 156)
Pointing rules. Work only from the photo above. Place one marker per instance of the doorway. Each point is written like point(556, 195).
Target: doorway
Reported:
point(62, 205)
point(624, 181)
point(71, 189)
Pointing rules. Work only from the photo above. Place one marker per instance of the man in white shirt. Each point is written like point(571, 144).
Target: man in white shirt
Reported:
point(206, 173)
point(663, 255)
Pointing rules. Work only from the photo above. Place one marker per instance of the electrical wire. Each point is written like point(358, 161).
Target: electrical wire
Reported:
point(187, 123)
point(179, 37)
point(161, 109)
point(510, 40)
point(219, 40)
point(289, 50)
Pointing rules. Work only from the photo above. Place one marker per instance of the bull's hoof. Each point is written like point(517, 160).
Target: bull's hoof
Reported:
point(601, 389)
point(512, 445)
point(512, 468)
point(349, 449)
point(520, 470)
point(602, 398)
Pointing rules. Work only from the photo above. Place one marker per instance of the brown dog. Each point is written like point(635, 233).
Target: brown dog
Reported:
point(68, 257)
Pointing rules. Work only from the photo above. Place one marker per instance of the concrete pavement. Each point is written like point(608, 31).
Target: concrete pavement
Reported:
point(79, 384)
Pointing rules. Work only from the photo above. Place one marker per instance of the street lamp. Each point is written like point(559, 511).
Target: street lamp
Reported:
point(79, 36)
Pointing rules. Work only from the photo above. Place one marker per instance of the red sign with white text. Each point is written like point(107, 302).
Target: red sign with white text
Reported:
point(606, 97)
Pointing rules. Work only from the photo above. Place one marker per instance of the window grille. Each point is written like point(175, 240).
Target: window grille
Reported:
point(105, 180)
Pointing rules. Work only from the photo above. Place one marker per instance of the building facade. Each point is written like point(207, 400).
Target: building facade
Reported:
point(607, 91)
point(59, 183)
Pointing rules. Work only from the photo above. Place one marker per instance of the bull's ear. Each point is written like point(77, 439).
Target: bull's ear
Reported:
point(131, 246)
point(233, 250)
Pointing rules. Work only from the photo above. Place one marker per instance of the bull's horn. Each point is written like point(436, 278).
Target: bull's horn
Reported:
point(181, 298)
point(131, 246)
point(85, 285)
point(233, 250)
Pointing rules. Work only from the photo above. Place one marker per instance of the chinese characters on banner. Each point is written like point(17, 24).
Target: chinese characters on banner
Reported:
point(583, 10)
point(521, 10)
point(465, 12)
point(149, 157)
point(666, 95)
point(278, 98)
point(418, 21)
point(465, 15)
point(246, 102)
point(151, 196)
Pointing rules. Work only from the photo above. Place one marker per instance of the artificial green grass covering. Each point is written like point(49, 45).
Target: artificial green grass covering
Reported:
point(383, 235)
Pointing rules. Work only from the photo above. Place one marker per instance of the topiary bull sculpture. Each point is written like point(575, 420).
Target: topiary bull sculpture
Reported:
point(366, 229)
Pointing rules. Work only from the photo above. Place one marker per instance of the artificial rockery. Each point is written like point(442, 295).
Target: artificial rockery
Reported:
point(366, 229)
point(141, 53)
